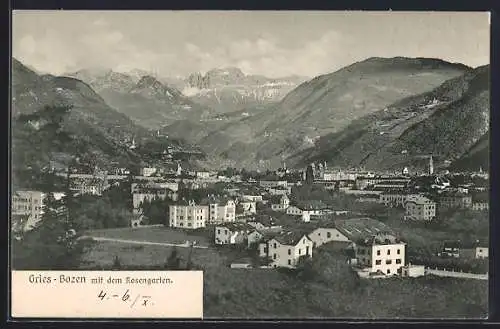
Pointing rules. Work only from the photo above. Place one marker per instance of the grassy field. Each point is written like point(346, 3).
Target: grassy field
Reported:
point(334, 291)
point(102, 255)
point(150, 234)
point(330, 289)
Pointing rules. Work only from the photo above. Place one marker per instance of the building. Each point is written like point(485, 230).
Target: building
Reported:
point(273, 183)
point(254, 237)
point(381, 182)
point(151, 191)
point(280, 190)
point(147, 171)
point(457, 249)
point(221, 210)
point(412, 271)
point(251, 197)
point(249, 207)
point(454, 200)
point(480, 202)
point(233, 233)
point(322, 235)
point(203, 174)
point(189, 215)
point(29, 206)
point(285, 249)
point(395, 198)
point(381, 253)
point(420, 208)
point(93, 184)
point(280, 203)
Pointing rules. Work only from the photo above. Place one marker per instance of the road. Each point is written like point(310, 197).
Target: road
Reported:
point(165, 244)
point(456, 274)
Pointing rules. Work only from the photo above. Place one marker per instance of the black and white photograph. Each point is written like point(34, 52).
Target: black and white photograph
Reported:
point(311, 164)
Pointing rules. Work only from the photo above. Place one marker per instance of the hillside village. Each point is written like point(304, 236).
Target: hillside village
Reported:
point(279, 219)
point(303, 180)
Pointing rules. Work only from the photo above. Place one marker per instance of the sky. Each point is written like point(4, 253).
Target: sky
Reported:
point(274, 44)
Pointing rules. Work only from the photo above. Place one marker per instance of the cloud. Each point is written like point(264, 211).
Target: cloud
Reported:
point(264, 55)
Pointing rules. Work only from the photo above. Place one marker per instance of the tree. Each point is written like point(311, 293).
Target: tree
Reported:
point(156, 210)
point(309, 175)
point(173, 260)
point(53, 244)
point(117, 264)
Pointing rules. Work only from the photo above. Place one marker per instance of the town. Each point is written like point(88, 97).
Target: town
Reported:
point(279, 219)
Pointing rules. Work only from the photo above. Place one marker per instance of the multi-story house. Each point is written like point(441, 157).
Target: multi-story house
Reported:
point(93, 185)
point(249, 207)
point(395, 198)
point(253, 198)
point(28, 204)
point(147, 171)
point(322, 235)
point(150, 191)
point(420, 208)
point(273, 183)
point(280, 203)
point(221, 210)
point(233, 233)
point(381, 253)
point(188, 215)
point(286, 249)
point(456, 249)
point(480, 202)
point(454, 200)
point(280, 190)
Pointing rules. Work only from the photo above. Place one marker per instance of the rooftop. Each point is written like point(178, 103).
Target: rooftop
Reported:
point(290, 238)
point(357, 229)
point(420, 200)
point(237, 226)
point(380, 239)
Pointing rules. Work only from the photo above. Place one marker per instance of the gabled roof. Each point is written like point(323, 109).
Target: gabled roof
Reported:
point(359, 229)
point(291, 238)
point(237, 227)
point(380, 239)
point(312, 205)
point(420, 200)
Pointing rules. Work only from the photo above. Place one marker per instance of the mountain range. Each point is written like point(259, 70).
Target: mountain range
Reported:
point(59, 118)
point(324, 105)
point(380, 113)
point(147, 101)
point(229, 89)
point(450, 122)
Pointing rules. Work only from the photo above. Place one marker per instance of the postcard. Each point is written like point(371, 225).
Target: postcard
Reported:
point(250, 165)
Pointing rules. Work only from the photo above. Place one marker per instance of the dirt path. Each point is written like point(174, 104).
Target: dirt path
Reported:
point(184, 245)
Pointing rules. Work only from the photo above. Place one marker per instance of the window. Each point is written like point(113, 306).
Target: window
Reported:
point(389, 252)
point(218, 231)
point(319, 233)
point(328, 235)
point(388, 262)
point(378, 252)
point(226, 232)
point(289, 262)
point(388, 271)
point(274, 256)
point(289, 251)
point(399, 252)
point(378, 262)
point(300, 251)
point(189, 224)
point(274, 246)
point(398, 261)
